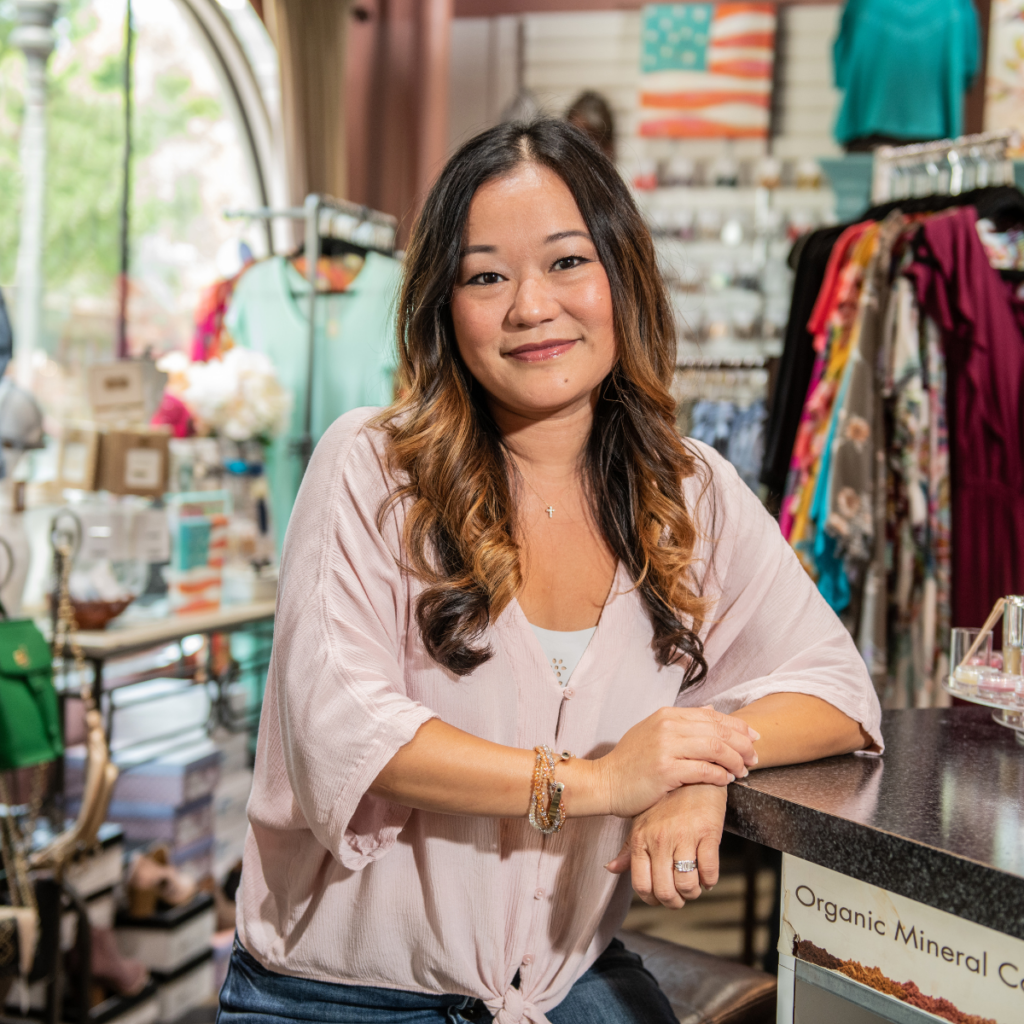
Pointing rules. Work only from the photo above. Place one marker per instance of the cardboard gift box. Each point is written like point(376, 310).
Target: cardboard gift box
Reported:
point(133, 462)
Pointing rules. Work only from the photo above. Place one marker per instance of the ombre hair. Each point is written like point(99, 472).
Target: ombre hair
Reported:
point(459, 481)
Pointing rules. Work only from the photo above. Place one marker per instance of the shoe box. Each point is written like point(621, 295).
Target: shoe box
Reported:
point(102, 869)
point(230, 822)
point(173, 779)
point(186, 988)
point(169, 939)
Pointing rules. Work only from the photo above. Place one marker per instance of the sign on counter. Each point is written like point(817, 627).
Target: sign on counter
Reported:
point(899, 946)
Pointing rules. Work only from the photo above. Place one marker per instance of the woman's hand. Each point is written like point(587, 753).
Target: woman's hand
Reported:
point(685, 825)
point(674, 747)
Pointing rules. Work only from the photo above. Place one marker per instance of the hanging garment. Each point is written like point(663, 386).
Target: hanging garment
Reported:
point(797, 360)
point(939, 551)
point(842, 513)
point(904, 66)
point(354, 358)
point(734, 431)
point(208, 339)
point(746, 443)
point(711, 422)
point(833, 325)
point(977, 313)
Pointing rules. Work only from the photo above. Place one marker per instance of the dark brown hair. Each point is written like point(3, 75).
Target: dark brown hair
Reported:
point(459, 481)
point(591, 113)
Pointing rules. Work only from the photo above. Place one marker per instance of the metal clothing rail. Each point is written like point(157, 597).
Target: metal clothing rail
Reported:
point(943, 167)
point(312, 212)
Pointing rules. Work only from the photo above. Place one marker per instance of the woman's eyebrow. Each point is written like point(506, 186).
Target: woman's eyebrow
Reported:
point(557, 237)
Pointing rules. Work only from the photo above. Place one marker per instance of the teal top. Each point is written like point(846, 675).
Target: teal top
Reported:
point(354, 359)
point(904, 66)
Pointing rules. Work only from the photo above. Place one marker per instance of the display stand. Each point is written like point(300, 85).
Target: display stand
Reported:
point(1007, 711)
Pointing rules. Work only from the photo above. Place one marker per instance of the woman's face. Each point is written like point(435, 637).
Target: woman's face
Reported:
point(532, 307)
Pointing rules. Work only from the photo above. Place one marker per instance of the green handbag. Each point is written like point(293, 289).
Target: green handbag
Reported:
point(30, 725)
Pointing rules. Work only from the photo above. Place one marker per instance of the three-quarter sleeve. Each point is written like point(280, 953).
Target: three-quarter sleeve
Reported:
point(342, 710)
point(769, 630)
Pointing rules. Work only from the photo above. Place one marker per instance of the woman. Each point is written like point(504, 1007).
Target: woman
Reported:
point(521, 553)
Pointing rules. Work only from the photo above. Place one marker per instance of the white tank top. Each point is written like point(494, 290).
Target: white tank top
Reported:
point(563, 649)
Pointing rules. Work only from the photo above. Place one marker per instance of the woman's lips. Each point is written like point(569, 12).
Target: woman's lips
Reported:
point(538, 351)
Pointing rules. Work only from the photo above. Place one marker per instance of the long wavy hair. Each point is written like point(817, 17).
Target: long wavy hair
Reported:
point(458, 481)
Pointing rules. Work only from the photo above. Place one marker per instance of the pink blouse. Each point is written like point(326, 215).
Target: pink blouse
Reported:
point(342, 886)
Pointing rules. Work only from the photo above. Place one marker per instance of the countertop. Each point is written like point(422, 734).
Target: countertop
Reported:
point(939, 818)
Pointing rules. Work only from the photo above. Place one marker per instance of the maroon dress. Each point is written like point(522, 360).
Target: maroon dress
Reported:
point(981, 322)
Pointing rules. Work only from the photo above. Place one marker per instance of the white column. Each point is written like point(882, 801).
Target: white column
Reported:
point(34, 36)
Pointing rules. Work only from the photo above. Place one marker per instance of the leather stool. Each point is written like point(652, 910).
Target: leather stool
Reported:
point(705, 989)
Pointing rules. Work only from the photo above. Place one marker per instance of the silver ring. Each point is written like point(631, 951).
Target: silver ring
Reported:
point(685, 865)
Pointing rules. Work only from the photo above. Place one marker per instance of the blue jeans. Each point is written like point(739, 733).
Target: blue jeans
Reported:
point(617, 989)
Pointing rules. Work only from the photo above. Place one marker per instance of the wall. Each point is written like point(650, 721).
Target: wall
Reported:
point(485, 59)
point(806, 100)
point(560, 54)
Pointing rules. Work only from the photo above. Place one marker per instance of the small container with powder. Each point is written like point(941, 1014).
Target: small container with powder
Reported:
point(998, 686)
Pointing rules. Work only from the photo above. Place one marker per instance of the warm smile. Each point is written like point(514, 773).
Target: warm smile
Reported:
point(537, 351)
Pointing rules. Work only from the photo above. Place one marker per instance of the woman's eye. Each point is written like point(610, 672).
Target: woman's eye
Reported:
point(569, 262)
point(487, 277)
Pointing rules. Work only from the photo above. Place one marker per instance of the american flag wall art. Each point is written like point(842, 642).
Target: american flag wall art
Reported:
point(706, 70)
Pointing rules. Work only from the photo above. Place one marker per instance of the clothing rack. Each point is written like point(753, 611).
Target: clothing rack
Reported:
point(944, 167)
point(325, 216)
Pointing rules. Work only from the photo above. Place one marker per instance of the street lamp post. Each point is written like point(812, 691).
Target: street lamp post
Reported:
point(34, 36)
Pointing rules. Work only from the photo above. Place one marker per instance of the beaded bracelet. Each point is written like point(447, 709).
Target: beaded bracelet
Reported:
point(547, 806)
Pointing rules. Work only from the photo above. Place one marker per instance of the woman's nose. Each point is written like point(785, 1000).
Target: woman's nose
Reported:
point(533, 304)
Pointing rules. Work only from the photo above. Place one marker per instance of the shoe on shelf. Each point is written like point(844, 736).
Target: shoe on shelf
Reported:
point(118, 973)
point(153, 880)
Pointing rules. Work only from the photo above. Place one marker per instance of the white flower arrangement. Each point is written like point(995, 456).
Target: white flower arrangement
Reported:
point(237, 396)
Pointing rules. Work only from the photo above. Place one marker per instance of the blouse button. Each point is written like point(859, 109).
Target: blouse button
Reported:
point(539, 894)
point(528, 959)
point(570, 692)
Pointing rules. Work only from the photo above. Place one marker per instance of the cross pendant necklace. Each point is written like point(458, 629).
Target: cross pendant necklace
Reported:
point(550, 509)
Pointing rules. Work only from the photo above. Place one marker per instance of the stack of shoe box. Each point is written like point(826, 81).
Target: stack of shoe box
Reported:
point(169, 770)
point(175, 944)
point(116, 988)
point(230, 799)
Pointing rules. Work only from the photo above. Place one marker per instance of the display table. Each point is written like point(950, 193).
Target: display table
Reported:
point(100, 644)
point(158, 649)
point(912, 863)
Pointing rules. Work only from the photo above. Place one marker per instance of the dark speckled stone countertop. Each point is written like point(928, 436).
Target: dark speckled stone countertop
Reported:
point(939, 818)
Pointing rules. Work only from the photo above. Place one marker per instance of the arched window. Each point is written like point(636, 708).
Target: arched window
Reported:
point(204, 128)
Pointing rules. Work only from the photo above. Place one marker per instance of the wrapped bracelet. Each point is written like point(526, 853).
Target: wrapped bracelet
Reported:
point(547, 806)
